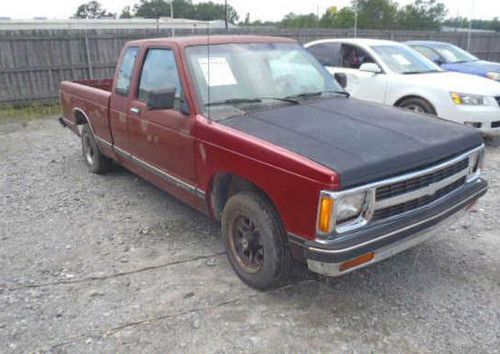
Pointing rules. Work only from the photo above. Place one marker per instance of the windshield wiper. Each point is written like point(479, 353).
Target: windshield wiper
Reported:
point(233, 101)
point(317, 93)
point(250, 100)
point(420, 72)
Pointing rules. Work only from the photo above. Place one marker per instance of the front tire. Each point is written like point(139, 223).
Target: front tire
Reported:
point(255, 241)
point(94, 159)
point(418, 105)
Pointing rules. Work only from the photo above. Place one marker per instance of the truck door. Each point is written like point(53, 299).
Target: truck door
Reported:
point(119, 102)
point(162, 138)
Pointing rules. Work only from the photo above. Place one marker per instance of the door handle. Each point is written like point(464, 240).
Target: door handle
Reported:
point(135, 110)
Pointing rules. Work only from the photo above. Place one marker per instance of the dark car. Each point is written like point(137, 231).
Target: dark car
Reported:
point(453, 58)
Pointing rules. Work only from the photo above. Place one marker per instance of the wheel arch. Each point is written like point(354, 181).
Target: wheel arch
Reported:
point(226, 184)
point(399, 101)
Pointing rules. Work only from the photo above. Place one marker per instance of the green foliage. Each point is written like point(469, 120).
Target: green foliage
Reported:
point(206, 11)
point(92, 10)
point(300, 21)
point(463, 22)
point(126, 12)
point(377, 14)
point(422, 14)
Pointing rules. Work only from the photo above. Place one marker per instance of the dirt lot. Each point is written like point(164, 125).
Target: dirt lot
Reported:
point(111, 264)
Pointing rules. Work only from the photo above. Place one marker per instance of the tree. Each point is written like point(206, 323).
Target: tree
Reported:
point(92, 10)
point(338, 19)
point(208, 11)
point(300, 21)
point(422, 14)
point(126, 13)
point(161, 8)
point(377, 14)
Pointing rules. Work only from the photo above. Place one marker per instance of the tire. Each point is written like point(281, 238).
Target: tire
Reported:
point(94, 159)
point(418, 105)
point(249, 220)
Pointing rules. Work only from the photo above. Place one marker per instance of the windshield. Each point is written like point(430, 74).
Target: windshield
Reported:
point(404, 60)
point(453, 54)
point(248, 76)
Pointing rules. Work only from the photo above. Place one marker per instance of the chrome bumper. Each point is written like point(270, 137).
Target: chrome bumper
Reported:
point(333, 269)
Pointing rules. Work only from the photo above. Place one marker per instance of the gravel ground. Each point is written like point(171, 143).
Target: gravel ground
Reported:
point(112, 264)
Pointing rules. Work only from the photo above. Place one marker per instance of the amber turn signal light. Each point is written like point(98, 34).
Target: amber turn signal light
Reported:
point(325, 214)
point(357, 261)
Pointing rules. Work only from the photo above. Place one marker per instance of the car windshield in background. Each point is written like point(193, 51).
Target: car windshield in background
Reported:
point(247, 76)
point(453, 54)
point(404, 60)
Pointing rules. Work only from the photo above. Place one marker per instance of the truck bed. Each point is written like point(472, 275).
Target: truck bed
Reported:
point(88, 100)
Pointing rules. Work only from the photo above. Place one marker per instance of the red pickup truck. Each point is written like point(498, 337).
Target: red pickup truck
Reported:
point(253, 132)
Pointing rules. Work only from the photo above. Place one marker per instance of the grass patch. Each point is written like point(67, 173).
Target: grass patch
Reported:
point(28, 112)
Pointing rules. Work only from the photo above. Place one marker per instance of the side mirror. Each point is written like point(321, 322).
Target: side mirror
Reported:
point(161, 98)
point(341, 78)
point(370, 68)
point(438, 62)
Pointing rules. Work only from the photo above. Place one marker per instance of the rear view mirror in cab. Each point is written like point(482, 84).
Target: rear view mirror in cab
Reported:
point(161, 98)
point(371, 68)
point(438, 61)
point(341, 78)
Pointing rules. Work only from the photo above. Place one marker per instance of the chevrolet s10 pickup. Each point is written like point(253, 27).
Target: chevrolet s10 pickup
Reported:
point(254, 132)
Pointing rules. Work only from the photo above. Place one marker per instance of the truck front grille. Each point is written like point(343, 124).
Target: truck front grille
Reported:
point(417, 202)
point(419, 182)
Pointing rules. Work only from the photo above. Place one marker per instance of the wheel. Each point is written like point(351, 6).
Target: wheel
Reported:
point(255, 240)
point(95, 160)
point(418, 105)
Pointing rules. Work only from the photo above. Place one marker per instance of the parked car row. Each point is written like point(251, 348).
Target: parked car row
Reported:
point(394, 74)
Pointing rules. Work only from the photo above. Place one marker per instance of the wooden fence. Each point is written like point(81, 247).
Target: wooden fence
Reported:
point(33, 62)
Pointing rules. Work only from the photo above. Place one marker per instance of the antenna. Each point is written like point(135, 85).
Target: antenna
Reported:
point(208, 72)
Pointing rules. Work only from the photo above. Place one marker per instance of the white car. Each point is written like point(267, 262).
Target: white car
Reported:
point(394, 74)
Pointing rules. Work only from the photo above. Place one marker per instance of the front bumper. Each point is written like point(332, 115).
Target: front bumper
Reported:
point(486, 117)
point(388, 237)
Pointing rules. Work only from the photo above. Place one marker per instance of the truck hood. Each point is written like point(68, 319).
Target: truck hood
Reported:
point(454, 82)
point(362, 142)
point(478, 67)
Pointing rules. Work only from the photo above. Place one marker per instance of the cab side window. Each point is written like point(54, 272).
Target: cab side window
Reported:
point(328, 54)
point(160, 72)
point(125, 71)
point(353, 57)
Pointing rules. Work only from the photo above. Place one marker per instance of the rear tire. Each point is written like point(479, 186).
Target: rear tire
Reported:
point(94, 159)
point(255, 241)
point(418, 105)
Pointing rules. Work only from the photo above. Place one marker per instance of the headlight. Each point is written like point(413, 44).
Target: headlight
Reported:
point(466, 99)
point(337, 212)
point(493, 75)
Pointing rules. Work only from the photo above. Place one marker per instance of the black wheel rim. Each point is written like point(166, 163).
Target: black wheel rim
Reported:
point(246, 244)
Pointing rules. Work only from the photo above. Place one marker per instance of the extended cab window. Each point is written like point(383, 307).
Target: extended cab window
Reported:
point(125, 71)
point(159, 72)
point(327, 54)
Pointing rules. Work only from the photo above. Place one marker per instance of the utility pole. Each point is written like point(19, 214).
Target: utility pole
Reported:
point(355, 18)
point(225, 10)
point(470, 23)
point(172, 17)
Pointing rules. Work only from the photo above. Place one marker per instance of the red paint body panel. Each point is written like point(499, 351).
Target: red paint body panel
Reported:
point(191, 150)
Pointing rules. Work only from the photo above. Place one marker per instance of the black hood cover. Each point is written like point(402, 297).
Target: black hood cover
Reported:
point(363, 142)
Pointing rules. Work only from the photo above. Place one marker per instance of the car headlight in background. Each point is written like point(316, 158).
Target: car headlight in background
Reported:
point(466, 99)
point(493, 75)
point(338, 211)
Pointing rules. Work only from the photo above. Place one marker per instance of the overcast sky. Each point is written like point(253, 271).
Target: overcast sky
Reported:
point(272, 10)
